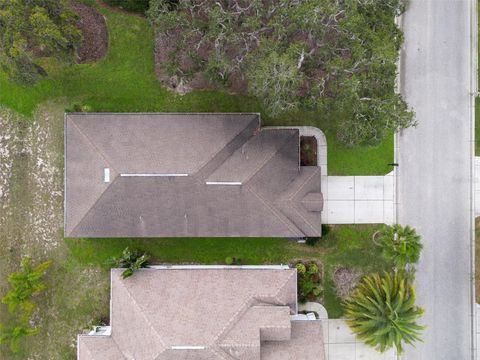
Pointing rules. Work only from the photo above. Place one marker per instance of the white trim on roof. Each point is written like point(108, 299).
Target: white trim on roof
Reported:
point(145, 175)
point(217, 267)
point(223, 183)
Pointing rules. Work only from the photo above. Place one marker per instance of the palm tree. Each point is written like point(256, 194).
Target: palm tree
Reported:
point(401, 245)
point(382, 311)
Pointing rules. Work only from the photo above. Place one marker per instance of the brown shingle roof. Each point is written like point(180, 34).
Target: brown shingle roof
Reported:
point(199, 313)
point(206, 147)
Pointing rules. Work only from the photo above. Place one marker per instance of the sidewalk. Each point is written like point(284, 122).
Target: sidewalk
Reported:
point(342, 344)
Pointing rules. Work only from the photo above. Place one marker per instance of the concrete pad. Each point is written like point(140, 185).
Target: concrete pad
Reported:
point(341, 351)
point(388, 187)
point(368, 212)
point(369, 187)
point(339, 332)
point(388, 212)
point(341, 188)
point(339, 212)
point(365, 352)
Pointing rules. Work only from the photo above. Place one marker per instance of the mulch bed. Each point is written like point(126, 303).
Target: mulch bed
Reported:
point(346, 279)
point(308, 151)
point(94, 30)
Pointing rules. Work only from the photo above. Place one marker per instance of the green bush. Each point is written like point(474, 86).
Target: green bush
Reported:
point(24, 285)
point(382, 311)
point(131, 260)
point(130, 5)
point(400, 245)
point(309, 281)
point(229, 260)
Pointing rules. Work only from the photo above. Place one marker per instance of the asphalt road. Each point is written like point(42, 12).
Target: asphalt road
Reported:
point(434, 174)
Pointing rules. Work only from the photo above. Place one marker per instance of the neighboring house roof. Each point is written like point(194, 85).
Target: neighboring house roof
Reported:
point(205, 313)
point(226, 177)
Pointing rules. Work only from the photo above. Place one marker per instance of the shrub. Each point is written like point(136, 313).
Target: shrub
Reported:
point(24, 284)
point(131, 261)
point(309, 281)
point(130, 5)
point(400, 245)
point(312, 240)
point(382, 311)
point(229, 260)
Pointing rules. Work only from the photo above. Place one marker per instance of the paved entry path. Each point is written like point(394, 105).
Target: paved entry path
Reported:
point(342, 344)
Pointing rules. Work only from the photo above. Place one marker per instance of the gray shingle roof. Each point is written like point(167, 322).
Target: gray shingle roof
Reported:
point(206, 147)
point(226, 313)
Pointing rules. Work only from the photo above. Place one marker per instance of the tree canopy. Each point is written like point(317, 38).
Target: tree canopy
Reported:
point(30, 29)
point(323, 55)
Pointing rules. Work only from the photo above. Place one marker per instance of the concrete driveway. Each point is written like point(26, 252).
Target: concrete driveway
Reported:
point(359, 199)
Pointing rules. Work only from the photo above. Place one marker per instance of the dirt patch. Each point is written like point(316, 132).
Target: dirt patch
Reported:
point(346, 279)
point(308, 151)
point(94, 30)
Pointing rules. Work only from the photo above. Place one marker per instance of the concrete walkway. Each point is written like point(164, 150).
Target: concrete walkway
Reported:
point(352, 199)
point(342, 344)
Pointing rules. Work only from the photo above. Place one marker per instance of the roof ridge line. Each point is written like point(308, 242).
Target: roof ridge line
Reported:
point(265, 162)
point(283, 286)
point(299, 213)
point(274, 211)
point(146, 320)
point(289, 198)
point(205, 164)
point(95, 203)
point(92, 144)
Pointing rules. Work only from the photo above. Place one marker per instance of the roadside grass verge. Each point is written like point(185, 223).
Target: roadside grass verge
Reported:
point(125, 81)
point(477, 260)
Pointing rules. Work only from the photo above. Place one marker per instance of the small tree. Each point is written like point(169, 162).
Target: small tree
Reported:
point(24, 284)
point(401, 245)
point(382, 311)
point(131, 261)
point(14, 335)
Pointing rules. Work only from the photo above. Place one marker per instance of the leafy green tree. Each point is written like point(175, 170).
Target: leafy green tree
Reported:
point(131, 261)
point(338, 58)
point(24, 284)
point(400, 245)
point(30, 29)
point(382, 312)
point(15, 335)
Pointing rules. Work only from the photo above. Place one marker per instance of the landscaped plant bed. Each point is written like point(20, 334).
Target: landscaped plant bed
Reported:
point(94, 33)
point(308, 151)
point(309, 280)
point(345, 280)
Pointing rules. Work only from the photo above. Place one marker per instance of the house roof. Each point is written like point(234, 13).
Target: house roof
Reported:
point(204, 313)
point(226, 177)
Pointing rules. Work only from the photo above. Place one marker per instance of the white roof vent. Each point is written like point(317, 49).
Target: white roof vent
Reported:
point(106, 175)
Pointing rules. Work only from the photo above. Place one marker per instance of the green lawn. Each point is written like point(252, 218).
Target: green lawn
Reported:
point(125, 81)
point(349, 246)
